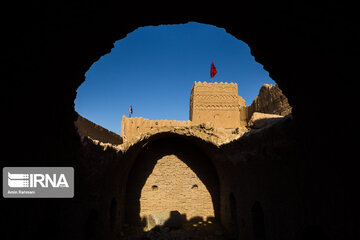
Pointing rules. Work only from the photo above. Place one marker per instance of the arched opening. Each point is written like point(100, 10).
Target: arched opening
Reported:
point(172, 174)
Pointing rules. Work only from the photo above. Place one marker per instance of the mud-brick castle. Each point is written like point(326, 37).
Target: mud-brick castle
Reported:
point(219, 106)
point(171, 173)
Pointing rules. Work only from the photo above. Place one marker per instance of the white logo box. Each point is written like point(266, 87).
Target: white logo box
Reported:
point(38, 182)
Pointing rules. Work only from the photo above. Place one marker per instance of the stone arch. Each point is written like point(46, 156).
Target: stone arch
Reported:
point(199, 177)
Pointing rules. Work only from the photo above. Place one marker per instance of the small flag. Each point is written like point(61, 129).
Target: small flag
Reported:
point(213, 70)
point(131, 110)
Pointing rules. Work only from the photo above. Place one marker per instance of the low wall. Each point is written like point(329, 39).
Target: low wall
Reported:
point(94, 131)
point(132, 127)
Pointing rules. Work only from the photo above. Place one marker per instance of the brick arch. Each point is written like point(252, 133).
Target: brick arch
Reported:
point(193, 166)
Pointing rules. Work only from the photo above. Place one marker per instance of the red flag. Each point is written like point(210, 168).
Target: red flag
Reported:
point(131, 111)
point(213, 70)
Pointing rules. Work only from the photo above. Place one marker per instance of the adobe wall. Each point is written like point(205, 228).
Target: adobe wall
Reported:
point(218, 103)
point(132, 127)
point(262, 167)
point(87, 128)
point(94, 212)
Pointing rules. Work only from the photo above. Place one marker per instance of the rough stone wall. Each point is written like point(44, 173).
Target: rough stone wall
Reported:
point(172, 185)
point(132, 127)
point(218, 103)
point(89, 129)
point(270, 100)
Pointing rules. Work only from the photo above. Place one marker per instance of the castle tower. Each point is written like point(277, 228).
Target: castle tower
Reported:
point(218, 103)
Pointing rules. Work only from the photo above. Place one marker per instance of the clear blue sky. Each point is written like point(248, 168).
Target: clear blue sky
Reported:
point(154, 68)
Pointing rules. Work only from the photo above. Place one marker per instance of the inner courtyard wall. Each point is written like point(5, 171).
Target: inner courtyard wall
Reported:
point(261, 167)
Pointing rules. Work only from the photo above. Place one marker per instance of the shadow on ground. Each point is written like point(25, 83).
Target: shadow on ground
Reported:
point(194, 228)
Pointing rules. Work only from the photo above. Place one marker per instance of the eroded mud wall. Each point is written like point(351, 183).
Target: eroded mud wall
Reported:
point(87, 128)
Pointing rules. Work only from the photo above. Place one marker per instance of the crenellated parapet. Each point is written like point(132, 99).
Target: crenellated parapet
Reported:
point(211, 88)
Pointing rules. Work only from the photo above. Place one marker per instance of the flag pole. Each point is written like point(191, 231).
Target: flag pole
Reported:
point(130, 111)
point(210, 72)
